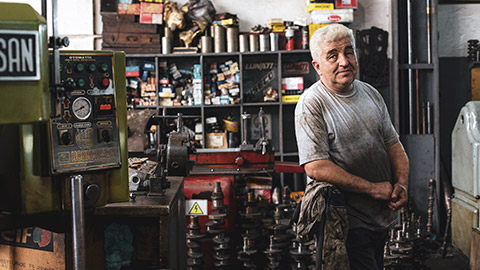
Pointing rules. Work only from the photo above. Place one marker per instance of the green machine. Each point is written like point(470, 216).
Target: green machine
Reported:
point(53, 134)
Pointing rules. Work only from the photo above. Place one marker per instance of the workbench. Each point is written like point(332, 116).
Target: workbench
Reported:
point(157, 223)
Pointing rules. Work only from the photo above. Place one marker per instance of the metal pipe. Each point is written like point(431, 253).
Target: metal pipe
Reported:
point(429, 35)
point(417, 100)
point(78, 222)
point(429, 117)
point(410, 72)
point(431, 191)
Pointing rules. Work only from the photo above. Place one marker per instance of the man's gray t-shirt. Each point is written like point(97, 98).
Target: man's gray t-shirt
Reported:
point(354, 132)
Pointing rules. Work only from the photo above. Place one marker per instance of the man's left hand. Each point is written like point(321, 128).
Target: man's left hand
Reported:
point(399, 197)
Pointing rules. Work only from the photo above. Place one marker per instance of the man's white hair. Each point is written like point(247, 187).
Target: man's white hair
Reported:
point(330, 33)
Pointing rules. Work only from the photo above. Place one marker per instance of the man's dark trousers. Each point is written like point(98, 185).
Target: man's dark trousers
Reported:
point(365, 248)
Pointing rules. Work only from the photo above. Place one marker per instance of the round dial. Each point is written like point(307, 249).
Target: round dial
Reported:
point(81, 108)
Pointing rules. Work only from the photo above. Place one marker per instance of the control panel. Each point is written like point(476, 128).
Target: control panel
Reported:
point(84, 135)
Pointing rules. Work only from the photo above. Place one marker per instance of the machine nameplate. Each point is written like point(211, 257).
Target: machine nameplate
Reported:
point(19, 55)
point(72, 158)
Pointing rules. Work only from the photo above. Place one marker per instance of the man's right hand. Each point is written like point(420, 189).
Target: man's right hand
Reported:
point(381, 190)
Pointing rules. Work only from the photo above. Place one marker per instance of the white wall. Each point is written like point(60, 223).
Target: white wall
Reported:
point(457, 23)
point(75, 20)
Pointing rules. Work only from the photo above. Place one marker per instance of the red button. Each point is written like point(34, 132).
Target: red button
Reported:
point(105, 82)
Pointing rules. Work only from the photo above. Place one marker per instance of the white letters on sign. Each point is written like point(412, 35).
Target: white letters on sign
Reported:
point(19, 55)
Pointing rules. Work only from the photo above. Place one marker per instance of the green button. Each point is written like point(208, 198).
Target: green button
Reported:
point(104, 67)
point(79, 67)
point(81, 83)
point(92, 67)
point(61, 67)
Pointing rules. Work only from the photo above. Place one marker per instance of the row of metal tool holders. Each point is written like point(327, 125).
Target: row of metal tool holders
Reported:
point(264, 236)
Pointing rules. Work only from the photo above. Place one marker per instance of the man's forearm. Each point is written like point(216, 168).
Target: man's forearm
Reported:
point(400, 164)
point(328, 171)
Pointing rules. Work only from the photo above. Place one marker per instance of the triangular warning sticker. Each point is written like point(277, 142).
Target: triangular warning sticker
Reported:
point(196, 209)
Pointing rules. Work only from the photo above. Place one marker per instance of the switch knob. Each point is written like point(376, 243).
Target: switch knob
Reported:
point(92, 67)
point(66, 138)
point(106, 136)
point(104, 67)
point(70, 83)
point(79, 67)
point(92, 192)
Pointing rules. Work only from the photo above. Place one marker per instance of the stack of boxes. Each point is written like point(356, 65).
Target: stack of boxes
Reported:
point(292, 88)
point(222, 83)
point(141, 86)
point(123, 32)
point(322, 13)
point(197, 84)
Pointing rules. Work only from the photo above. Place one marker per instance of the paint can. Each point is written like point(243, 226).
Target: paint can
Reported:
point(218, 38)
point(264, 42)
point(232, 39)
point(253, 42)
point(274, 42)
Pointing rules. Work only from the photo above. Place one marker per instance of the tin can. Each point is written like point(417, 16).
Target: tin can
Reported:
point(264, 42)
point(253, 41)
point(274, 42)
point(166, 45)
point(206, 44)
point(243, 42)
point(289, 34)
point(168, 33)
point(219, 38)
point(232, 39)
point(304, 38)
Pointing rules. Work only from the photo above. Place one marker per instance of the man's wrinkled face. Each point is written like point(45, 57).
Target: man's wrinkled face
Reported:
point(338, 66)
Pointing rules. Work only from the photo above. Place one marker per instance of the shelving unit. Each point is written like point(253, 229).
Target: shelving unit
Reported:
point(283, 136)
point(415, 86)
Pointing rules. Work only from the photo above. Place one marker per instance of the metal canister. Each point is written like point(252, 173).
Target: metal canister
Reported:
point(264, 42)
point(232, 39)
point(305, 38)
point(274, 41)
point(206, 44)
point(243, 42)
point(218, 38)
point(253, 41)
point(166, 45)
point(289, 34)
point(168, 33)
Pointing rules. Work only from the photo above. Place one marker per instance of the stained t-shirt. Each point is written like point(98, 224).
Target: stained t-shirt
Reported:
point(353, 131)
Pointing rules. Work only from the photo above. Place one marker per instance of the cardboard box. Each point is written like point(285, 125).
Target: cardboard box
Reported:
point(32, 248)
point(290, 98)
point(346, 4)
point(124, 23)
point(132, 71)
point(151, 13)
point(292, 83)
point(332, 16)
point(128, 9)
point(319, 6)
point(217, 140)
point(314, 27)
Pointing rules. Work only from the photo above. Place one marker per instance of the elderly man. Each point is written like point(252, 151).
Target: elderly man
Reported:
point(346, 138)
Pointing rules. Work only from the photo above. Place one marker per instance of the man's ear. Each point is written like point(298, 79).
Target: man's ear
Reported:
point(316, 66)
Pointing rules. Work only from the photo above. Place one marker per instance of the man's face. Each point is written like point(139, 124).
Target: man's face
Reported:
point(338, 66)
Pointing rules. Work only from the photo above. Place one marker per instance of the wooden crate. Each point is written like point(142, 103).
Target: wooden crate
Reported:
point(125, 23)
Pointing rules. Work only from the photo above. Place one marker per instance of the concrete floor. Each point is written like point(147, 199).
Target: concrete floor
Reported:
point(454, 260)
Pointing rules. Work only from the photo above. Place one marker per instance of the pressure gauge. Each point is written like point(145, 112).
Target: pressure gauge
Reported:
point(81, 108)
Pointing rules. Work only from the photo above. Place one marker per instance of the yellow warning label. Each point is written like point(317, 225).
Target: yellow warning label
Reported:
point(196, 210)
